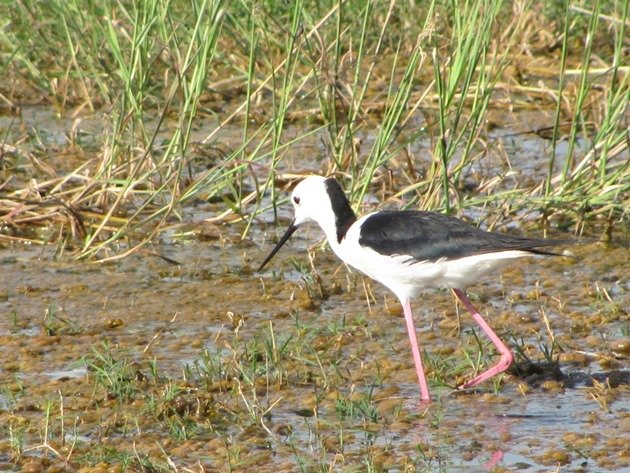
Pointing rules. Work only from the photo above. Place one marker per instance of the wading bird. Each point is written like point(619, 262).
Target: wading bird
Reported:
point(409, 250)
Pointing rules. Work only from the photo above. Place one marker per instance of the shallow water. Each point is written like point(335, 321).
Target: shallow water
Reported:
point(301, 379)
point(143, 364)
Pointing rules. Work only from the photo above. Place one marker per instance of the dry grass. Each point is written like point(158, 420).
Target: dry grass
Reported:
point(336, 75)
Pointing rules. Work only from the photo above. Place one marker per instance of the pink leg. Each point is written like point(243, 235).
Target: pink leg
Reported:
point(506, 355)
point(424, 389)
point(494, 459)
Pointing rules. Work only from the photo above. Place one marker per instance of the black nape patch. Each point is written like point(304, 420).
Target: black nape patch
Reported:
point(344, 215)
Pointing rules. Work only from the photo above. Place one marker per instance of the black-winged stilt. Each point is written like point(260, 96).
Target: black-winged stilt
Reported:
point(409, 250)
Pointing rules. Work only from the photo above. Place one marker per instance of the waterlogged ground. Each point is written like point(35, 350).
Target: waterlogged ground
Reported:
point(146, 365)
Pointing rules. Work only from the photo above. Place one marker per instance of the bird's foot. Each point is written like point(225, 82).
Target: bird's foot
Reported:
point(504, 363)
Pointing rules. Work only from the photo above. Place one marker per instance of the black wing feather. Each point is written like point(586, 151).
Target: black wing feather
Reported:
point(431, 236)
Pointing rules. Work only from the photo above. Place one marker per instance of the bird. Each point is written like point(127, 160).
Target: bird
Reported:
point(409, 250)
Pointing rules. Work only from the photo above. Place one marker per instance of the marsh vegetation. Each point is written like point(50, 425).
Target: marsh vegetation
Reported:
point(146, 149)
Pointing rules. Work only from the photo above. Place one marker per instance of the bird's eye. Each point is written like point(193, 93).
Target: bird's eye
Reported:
point(296, 199)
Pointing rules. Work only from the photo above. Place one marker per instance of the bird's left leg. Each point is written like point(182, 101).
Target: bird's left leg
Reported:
point(422, 381)
point(506, 355)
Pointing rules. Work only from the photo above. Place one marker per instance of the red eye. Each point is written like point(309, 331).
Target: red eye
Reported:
point(296, 199)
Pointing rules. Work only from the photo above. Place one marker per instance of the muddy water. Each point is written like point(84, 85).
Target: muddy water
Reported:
point(205, 365)
point(113, 367)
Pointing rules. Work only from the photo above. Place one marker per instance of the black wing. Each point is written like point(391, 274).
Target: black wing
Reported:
point(430, 236)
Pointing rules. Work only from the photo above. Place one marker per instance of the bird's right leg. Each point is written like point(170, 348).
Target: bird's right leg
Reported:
point(506, 355)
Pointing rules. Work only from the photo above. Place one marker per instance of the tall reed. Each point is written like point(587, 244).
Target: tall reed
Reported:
point(355, 77)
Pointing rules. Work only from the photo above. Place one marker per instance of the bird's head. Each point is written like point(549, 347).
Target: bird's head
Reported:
point(311, 201)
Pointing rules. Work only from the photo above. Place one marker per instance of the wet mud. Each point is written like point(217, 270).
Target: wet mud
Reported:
point(145, 365)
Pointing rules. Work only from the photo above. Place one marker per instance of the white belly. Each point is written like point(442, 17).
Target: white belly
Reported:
point(406, 278)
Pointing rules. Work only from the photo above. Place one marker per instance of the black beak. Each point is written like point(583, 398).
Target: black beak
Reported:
point(290, 231)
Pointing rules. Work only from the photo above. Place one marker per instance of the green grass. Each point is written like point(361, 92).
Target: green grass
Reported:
point(268, 396)
point(225, 104)
point(338, 71)
point(359, 406)
point(115, 374)
point(55, 324)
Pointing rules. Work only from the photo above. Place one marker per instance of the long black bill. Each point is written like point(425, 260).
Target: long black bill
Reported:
point(292, 228)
